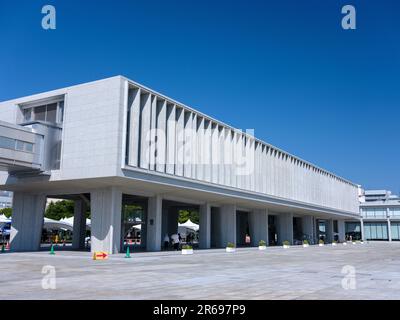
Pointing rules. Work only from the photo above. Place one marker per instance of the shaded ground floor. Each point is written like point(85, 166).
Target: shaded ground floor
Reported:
point(361, 271)
point(124, 218)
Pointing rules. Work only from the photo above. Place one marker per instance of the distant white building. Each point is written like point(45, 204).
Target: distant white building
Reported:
point(380, 212)
point(5, 199)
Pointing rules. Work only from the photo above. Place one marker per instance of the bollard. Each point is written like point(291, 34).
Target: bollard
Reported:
point(128, 254)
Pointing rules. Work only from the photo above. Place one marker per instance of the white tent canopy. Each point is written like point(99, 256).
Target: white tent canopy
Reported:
point(55, 224)
point(71, 221)
point(65, 224)
point(4, 219)
point(189, 225)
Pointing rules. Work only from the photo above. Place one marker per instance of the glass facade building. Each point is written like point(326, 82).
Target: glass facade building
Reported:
point(380, 213)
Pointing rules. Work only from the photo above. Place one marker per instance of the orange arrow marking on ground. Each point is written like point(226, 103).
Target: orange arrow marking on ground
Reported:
point(100, 255)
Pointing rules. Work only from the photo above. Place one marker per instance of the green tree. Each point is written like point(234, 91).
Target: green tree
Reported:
point(60, 209)
point(55, 210)
point(6, 211)
point(185, 215)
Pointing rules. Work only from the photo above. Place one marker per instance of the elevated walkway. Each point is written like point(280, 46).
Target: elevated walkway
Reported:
point(20, 149)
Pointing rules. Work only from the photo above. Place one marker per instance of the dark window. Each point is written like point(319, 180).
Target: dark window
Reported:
point(27, 114)
point(61, 112)
point(20, 145)
point(7, 143)
point(40, 113)
point(13, 144)
point(28, 147)
point(51, 115)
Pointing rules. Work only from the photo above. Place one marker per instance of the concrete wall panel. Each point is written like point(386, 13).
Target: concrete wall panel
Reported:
point(105, 205)
point(27, 221)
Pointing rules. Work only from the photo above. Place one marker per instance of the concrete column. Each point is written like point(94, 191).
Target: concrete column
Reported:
point(285, 227)
point(314, 231)
point(79, 227)
point(205, 226)
point(389, 230)
point(27, 221)
point(105, 206)
point(307, 227)
point(226, 226)
point(258, 225)
point(164, 223)
point(329, 230)
point(342, 230)
point(362, 229)
point(154, 219)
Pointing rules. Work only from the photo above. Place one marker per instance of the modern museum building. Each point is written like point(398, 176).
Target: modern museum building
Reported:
point(132, 156)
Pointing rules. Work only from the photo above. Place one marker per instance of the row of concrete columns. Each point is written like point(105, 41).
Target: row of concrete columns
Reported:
point(106, 223)
point(28, 214)
point(329, 230)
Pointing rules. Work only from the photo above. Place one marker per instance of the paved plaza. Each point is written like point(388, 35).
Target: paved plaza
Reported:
point(276, 273)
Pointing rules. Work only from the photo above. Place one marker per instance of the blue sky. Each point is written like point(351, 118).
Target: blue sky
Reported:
point(285, 68)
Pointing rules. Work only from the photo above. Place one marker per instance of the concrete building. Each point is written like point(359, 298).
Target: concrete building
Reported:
point(380, 212)
point(133, 154)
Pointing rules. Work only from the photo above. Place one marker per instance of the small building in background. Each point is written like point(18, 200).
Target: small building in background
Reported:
point(5, 199)
point(380, 213)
